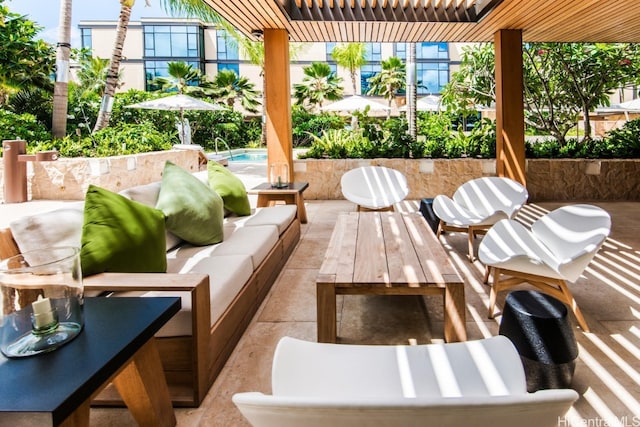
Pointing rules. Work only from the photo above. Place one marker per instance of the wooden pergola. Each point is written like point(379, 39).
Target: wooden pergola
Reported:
point(507, 23)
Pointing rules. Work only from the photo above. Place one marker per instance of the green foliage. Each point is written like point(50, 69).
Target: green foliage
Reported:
point(22, 126)
point(25, 61)
point(624, 142)
point(318, 85)
point(36, 101)
point(306, 124)
point(390, 80)
point(111, 141)
point(227, 86)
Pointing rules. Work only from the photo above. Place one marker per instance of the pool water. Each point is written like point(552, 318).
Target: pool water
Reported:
point(249, 157)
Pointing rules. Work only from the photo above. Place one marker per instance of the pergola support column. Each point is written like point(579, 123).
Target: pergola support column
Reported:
point(278, 98)
point(510, 153)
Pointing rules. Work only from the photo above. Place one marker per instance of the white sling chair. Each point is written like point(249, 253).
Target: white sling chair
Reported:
point(374, 187)
point(557, 249)
point(480, 383)
point(478, 204)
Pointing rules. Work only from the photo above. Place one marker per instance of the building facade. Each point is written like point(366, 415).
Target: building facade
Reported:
point(153, 42)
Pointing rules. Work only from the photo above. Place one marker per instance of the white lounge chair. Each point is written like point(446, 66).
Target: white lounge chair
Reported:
point(477, 205)
point(557, 249)
point(374, 187)
point(459, 384)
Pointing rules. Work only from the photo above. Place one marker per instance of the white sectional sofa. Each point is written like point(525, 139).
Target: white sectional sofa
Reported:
point(221, 285)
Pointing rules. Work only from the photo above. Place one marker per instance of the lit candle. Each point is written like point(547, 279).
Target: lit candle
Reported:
point(42, 313)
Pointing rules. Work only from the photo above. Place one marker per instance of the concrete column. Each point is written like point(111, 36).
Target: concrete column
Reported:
point(278, 98)
point(510, 154)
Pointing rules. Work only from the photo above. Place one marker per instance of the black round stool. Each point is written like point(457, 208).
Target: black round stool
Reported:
point(538, 326)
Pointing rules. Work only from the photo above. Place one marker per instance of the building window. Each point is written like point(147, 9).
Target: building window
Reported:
point(171, 41)
point(229, 66)
point(373, 52)
point(400, 50)
point(432, 51)
point(85, 38)
point(366, 72)
point(226, 50)
point(154, 69)
point(329, 51)
point(431, 77)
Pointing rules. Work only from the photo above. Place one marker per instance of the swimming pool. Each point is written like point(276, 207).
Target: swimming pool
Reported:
point(249, 157)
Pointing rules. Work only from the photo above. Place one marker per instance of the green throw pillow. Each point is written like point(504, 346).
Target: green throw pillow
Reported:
point(230, 188)
point(121, 235)
point(194, 212)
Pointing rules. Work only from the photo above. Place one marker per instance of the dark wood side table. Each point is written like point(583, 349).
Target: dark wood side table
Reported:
point(116, 345)
point(290, 195)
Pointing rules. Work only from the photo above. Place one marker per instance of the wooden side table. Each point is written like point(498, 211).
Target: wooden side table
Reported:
point(117, 344)
point(290, 195)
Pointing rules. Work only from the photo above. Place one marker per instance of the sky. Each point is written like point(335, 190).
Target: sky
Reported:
point(47, 13)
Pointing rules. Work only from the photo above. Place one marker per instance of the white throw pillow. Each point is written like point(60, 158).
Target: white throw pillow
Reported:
point(60, 227)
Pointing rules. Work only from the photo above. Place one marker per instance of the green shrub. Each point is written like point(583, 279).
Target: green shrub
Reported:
point(623, 142)
point(111, 141)
point(22, 126)
point(305, 124)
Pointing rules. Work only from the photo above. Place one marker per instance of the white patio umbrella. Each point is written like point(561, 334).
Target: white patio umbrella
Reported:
point(355, 103)
point(633, 105)
point(428, 103)
point(177, 103)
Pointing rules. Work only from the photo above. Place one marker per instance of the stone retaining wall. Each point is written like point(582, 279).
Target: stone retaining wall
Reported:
point(69, 178)
point(547, 179)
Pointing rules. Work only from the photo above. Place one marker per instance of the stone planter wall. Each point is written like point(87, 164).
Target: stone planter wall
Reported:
point(547, 180)
point(69, 178)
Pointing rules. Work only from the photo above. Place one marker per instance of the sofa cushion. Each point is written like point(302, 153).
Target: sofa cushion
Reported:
point(280, 216)
point(228, 276)
point(256, 241)
point(147, 194)
point(121, 235)
point(230, 188)
point(194, 211)
point(60, 227)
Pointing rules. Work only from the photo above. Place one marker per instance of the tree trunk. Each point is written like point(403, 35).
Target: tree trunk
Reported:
point(411, 88)
point(112, 74)
point(61, 86)
point(587, 124)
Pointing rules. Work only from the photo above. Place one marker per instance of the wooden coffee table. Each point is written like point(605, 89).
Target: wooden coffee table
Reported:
point(387, 253)
point(290, 195)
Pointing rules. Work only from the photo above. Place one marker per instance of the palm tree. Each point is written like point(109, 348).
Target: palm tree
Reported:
point(389, 81)
point(92, 75)
point(318, 84)
point(228, 86)
point(351, 56)
point(183, 78)
point(194, 8)
point(61, 86)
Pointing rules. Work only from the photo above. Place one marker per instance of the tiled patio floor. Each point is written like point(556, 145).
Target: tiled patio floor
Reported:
point(608, 370)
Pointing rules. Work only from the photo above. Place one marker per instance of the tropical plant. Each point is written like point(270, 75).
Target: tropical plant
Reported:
point(305, 123)
point(25, 62)
point(389, 81)
point(351, 56)
point(560, 81)
point(92, 75)
point(22, 126)
point(195, 8)
point(183, 78)
point(227, 86)
point(318, 84)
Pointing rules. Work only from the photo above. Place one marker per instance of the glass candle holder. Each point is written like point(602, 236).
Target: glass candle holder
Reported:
point(279, 175)
point(41, 296)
